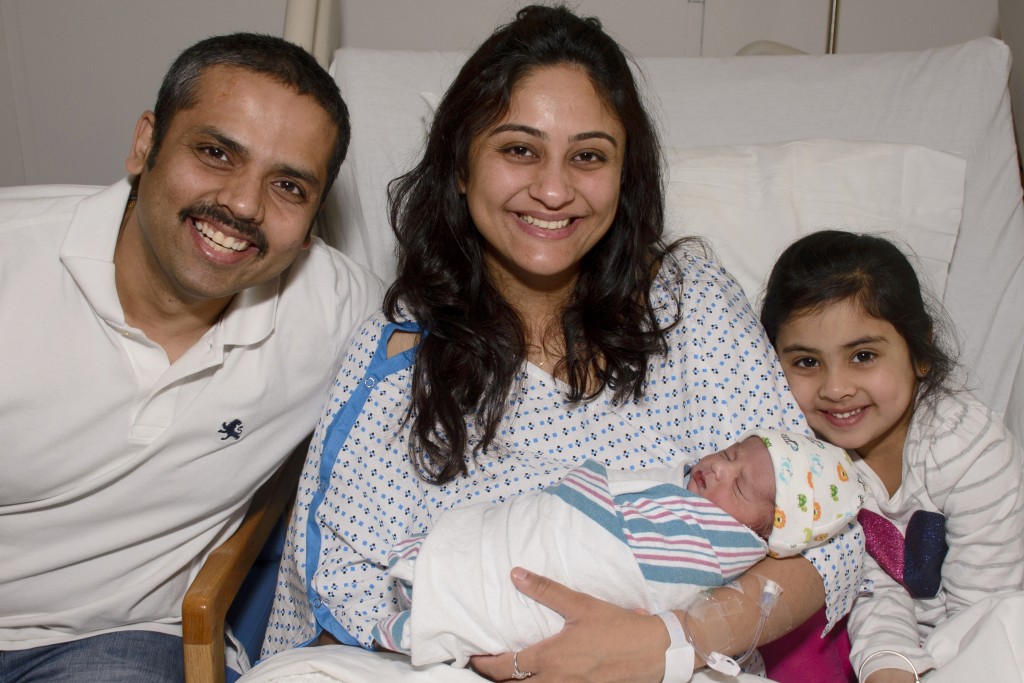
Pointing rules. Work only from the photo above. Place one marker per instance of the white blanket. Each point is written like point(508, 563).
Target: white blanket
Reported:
point(986, 640)
point(464, 601)
point(343, 664)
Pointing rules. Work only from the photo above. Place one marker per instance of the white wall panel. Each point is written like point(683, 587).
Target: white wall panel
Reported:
point(862, 25)
point(898, 25)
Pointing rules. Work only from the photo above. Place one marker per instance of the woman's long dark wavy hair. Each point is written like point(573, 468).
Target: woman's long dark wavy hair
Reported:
point(832, 266)
point(475, 342)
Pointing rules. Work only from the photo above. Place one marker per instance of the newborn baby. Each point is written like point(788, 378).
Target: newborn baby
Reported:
point(645, 539)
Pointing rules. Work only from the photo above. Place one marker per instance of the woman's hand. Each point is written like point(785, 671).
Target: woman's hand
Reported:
point(600, 642)
point(891, 676)
point(603, 643)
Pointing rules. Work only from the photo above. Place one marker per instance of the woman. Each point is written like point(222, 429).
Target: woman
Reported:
point(538, 319)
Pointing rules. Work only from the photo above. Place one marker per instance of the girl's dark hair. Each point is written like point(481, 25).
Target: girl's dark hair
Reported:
point(832, 265)
point(475, 342)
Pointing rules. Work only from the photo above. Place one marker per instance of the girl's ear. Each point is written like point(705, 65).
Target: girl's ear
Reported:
point(921, 369)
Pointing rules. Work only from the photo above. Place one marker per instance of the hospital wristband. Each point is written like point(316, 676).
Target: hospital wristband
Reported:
point(679, 656)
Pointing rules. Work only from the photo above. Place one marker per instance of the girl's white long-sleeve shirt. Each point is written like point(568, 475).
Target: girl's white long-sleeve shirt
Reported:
point(959, 461)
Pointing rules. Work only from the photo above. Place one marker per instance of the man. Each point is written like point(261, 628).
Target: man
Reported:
point(165, 342)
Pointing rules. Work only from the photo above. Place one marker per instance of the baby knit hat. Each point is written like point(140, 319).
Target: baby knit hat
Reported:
point(817, 490)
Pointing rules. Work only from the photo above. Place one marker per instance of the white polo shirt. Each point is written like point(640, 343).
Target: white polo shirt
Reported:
point(119, 472)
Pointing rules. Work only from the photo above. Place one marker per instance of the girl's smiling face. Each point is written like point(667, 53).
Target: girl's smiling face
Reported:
point(852, 375)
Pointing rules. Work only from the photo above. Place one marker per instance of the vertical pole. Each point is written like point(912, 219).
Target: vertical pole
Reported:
point(300, 23)
point(833, 17)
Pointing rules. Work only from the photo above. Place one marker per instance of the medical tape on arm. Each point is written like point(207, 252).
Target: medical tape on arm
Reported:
point(709, 612)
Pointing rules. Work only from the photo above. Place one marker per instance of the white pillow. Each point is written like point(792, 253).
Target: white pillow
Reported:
point(750, 201)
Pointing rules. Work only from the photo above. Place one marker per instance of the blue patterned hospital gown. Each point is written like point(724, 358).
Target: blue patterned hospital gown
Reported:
point(359, 492)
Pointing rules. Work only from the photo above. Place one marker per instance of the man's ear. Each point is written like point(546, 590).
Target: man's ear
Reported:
point(142, 142)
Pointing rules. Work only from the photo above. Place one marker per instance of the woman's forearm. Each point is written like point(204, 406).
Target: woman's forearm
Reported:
point(604, 643)
point(727, 622)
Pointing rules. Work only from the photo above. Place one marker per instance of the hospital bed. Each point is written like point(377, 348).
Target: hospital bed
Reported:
point(760, 149)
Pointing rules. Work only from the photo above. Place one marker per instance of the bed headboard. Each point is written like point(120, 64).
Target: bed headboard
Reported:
point(949, 103)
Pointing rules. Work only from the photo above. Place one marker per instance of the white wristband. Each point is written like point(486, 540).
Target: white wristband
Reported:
point(679, 655)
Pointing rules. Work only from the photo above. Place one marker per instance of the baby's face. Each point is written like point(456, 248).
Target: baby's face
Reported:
point(741, 481)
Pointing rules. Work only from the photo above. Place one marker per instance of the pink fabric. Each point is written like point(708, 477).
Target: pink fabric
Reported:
point(803, 655)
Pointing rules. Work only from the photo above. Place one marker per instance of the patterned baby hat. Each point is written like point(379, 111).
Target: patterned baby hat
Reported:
point(817, 490)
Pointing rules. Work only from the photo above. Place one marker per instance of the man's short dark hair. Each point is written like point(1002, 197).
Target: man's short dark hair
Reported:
point(263, 54)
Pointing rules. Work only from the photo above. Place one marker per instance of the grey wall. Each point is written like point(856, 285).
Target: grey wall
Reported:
point(645, 27)
point(713, 28)
point(76, 74)
point(12, 171)
point(1011, 14)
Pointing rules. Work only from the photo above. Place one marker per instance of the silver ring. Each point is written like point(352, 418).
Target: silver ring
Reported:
point(516, 673)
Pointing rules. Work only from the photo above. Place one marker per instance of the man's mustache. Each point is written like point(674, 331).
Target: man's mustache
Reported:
point(248, 229)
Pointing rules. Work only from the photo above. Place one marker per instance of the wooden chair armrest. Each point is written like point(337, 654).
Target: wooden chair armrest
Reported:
point(210, 595)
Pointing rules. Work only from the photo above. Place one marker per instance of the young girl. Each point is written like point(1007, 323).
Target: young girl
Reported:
point(944, 529)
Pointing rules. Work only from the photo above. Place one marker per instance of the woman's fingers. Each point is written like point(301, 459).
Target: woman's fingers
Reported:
point(553, 595)
point(494, 667)
point(600, 642)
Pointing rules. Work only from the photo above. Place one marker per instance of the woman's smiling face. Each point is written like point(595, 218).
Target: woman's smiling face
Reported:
point(543, 182)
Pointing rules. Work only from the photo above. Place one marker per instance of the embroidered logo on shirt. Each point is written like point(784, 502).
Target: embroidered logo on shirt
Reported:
point(231, 429)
